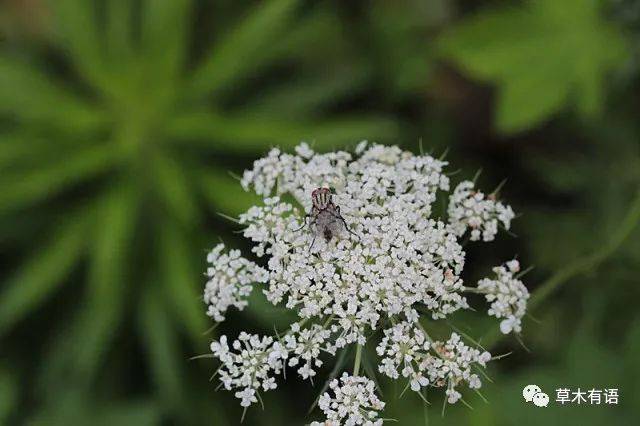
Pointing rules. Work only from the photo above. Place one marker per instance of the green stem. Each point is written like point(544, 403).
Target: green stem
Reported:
point(595, 259)
point(579, 266)
point(356, 365)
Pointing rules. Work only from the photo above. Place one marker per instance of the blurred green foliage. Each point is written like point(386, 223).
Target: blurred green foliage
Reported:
point(120, 122)
point(540, 56)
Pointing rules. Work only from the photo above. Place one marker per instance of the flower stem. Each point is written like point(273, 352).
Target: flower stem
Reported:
point(579, 266)
point(356, 365)
point(590, 262)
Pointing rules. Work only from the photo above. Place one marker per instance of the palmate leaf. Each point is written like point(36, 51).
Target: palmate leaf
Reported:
point(540, 56)
point(244, 50)
point(44, 272)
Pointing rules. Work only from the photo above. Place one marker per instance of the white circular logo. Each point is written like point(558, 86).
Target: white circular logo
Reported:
point(541, 399)
point(533, 393)
point(529, 391)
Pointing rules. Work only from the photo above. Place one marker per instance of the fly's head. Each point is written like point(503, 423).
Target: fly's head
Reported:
point(321, 198)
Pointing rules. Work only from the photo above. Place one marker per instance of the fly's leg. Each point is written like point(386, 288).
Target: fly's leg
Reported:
point(338, 216)
point(313, 214)
point(311, 224)
point(312, 243)
point(306, 217)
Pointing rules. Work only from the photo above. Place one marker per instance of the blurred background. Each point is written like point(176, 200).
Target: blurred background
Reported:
point(122, 123)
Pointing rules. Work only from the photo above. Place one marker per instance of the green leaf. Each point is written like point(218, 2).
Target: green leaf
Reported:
point(173, 188)
point(22, 150)
point(631, 355)
point(76, 407)
point(139, 413)
point(244, 50)
point(539, 56)
point(76, 29)
point(309, 95)
point(164, 35)
point(181, 282)
point(103, 308)
point(8, 395)
point(161, 350)
point(43, 273)
point(15, 148)
point(119, 30)
point(129, 413)
point(28, 95)
point(251, 134)
point(24, 188)
point(319, 24)
point(542, 101)
point(224, 193)
point(403, 56)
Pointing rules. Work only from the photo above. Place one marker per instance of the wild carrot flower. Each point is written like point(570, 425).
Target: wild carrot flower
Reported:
point(470, 209)
point(508, 296)
point(231, 280)
point(354, 402)
point(393, 260)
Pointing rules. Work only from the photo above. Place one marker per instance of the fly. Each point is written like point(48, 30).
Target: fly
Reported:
point(326, 219)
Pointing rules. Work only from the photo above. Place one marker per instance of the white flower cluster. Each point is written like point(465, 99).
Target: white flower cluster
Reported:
point(403, 350)
point(401, 256)
point(257, 359)
point(387, 259)
point(471, 209)
point(406, 351)
point(452, 366)
point(354, 403)
point(508, 296)
point(249, 368)
point(230, 281)
point(305, 347)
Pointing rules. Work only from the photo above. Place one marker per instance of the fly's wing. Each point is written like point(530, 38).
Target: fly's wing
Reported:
point(339, 219)
point(335, 213)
